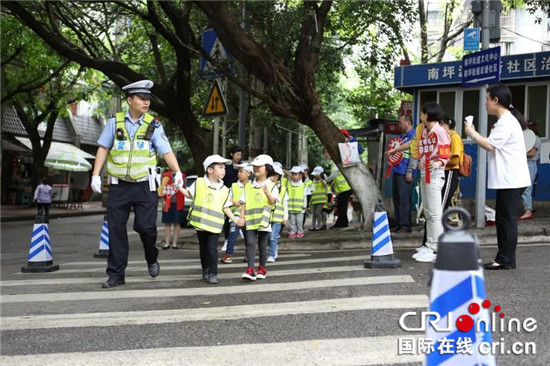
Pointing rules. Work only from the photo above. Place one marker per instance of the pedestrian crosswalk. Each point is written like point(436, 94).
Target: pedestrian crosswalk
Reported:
point(313, 309)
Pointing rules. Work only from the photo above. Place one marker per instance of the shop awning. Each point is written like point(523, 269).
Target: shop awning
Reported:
point(60, 147)
point(6, 145)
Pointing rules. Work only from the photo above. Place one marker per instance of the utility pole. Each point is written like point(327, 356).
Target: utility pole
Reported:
point(242, 96)
point(481, 180)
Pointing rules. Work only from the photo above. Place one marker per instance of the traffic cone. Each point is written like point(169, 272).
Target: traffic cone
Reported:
point(40, 253)
point(382, 247)
point(457, 294)
point(103, 251)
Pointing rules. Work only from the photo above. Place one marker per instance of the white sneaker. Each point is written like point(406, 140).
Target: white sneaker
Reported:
point(270, 260)
point(224, 248)
point(419, 251)
point(427, 256)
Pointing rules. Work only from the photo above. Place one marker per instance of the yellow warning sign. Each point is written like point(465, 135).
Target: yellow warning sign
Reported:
point(215, 106)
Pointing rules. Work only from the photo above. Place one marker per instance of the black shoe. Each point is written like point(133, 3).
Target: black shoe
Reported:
point(335, 227)
point(111, 282)
point(213, 279)
point(323, 227)
point(206, 274)
point(154, 269)
point(166, 247)
point(395, 229)
point(495, 265)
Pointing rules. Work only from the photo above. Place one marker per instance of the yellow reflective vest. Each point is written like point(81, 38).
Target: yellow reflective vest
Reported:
point(257, 207)
point(278, 213)
point(207, 210)
point(131, 159)
point(236, 192)
point(319, 194)
point(295, 197)
point(340, 182)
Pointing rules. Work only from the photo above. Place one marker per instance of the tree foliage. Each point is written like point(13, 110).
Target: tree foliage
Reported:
point(37, 83)
point(293, 52)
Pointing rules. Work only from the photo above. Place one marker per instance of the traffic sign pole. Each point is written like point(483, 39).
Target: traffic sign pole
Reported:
point(481, 178)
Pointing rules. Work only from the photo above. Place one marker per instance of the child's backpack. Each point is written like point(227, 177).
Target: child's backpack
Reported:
point(465, 168)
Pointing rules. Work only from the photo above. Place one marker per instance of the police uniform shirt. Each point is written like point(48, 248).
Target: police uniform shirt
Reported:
point(274, 193)
point(159, 141)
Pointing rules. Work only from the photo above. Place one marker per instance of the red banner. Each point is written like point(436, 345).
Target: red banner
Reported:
point(395, 158)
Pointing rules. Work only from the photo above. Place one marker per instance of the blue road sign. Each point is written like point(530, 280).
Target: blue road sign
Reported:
point(471, 39)
point(481, 67)
point(212, 45)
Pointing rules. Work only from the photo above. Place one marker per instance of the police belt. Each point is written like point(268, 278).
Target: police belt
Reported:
point(130, 180)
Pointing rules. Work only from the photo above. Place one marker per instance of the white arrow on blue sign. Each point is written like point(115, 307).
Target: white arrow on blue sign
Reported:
point(481, 67)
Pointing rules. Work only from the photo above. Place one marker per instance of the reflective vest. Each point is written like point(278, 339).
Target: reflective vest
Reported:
point(131, 159)
point(308, 184)
point(278, 213)
point(207, 210)
point(295, 198)
point(319, 194)
point(340, 182)
point(236, 192)
point(258, 209)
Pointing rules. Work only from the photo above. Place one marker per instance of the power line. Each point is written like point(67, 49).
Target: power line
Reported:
point(531, 39)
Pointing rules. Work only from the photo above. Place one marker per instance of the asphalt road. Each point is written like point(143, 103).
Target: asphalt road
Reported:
point(321, 308)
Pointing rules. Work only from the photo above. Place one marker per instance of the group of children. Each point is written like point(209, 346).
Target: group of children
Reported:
point(258, 205)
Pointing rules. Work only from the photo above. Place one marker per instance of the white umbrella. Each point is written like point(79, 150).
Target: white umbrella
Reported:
point(64, 160)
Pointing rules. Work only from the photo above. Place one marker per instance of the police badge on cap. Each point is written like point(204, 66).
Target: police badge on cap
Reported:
point(142, 88)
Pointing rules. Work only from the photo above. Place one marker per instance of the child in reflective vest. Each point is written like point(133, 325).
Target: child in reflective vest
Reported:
point(297, 203)
point(279, 215)
point(318, 198)
point(257, 202)
point(235, 193)
point(210, 202)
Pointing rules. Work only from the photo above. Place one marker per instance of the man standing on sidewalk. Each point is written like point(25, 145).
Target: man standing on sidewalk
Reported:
point(130, 143)
point(402, 182)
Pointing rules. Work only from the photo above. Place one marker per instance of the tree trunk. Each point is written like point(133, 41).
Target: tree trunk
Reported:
point(292, 91)
point(423, 32)
point(358, 176)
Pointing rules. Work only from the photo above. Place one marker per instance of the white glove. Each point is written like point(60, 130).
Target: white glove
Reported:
point(178, 180)
point(96, 183)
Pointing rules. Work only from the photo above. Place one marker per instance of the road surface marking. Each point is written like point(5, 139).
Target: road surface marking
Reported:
point(203, 290)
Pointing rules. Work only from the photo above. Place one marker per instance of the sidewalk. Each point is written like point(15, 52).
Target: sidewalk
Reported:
point(26, 213)
point(530, 231)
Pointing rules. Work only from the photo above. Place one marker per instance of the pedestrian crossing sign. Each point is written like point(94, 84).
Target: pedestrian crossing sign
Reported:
point(216, 105)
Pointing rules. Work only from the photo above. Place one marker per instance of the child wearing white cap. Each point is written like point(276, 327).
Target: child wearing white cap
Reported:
point(318, 198)
point(308, 183)
point(235, 193)
point(210, 202)
point(279, 215)
point(297, 203)
point(257, 202)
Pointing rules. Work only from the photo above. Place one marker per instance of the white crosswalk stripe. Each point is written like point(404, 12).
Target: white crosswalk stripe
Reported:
point(349, 351)
point(319, 287)
point(265, 287)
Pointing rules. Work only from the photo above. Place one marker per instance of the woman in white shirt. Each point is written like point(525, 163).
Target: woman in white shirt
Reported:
point(508, 172)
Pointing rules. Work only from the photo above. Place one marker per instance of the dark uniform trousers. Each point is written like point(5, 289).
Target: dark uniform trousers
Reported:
point(122, 197)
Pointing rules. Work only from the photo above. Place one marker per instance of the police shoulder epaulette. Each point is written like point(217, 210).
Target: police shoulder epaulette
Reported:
point(156, 123)
point(112, 115)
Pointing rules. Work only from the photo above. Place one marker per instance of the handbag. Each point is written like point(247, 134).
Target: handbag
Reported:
point(349, 153)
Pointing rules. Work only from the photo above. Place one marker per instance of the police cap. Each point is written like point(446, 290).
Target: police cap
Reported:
point(142, 87)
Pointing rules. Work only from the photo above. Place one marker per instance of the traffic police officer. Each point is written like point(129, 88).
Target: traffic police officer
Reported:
point(129, 144)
